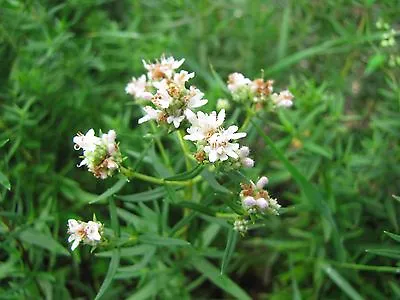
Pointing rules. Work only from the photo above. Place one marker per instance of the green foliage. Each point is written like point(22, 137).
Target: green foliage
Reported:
point(332, 160)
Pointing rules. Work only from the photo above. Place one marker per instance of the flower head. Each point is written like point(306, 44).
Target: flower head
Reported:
point(237, 81)
point(163, 68)
point(217, 142)
point(101, 155)
point(88, 233)
point(255, 198)
point(283, 99)
point(171, 99)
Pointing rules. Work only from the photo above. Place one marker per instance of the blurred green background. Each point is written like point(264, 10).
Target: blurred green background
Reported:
point(64, 66)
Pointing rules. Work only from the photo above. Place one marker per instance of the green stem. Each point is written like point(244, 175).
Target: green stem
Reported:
point(160, 146)
point(249, 114)
point(184, 149)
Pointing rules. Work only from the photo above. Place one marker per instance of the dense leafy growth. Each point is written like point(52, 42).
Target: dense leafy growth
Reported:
point(332, 160)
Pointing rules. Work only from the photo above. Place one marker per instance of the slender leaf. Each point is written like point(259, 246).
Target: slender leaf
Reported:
point(4, 181)
point(39, 239)
point(229, 249)
point(341, 282)
point(213, 274)
point(162, 241)
point(187, 175)
point(111, 191)
point(112, 270)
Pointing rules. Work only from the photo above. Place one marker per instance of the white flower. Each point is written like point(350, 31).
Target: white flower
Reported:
point(203, 125)
point(100, 154)
point(137, 88)
point(92, 231)
point(162, 99)
point(283, 99)
point(76, 231)
point(244, 158)
point(195, 97)
point(182, 77)
point(89, 233)
point(176, 120)
point(220, 147)
point(163, 68)
point(151, 114)
point(109, 140)
point(237, 81)
point(87, 142)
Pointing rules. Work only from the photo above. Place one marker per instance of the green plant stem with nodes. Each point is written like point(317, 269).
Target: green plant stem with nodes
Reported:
point(249, 114)
point(130, 174)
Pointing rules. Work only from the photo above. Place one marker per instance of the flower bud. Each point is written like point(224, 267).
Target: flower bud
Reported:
point(263, 181)
point(262, 203)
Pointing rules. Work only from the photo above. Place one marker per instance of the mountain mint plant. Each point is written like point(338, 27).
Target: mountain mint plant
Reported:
point(210, 146)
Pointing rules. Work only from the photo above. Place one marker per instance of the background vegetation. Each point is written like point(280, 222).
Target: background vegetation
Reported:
point(334, 161)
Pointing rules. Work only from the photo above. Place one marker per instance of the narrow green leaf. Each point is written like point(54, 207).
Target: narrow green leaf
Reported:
point(111, 191)
point(196, 207)
point(284, 32)
point(396, 237)
point(147, 291)
point(187, 175)
point(2, 143)
point(214, 184)
point(312, 194)
point(342, 283)
point(318, 149)
point(114, 262)
point(153, 194)
point(229, 249)
point(112, 270)
point(128, 251)
point(39, 239)
point(162, 241)
point(4, 181)
point(391, 212)
point(374, 63)
point(387, 252)
point(213, 274)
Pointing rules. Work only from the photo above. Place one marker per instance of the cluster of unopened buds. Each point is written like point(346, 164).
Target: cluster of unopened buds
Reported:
point(255, 198)
point(89, 233)
point(256, 201)
point(165, 97)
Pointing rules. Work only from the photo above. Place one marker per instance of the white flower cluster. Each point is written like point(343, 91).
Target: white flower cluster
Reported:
point(166, 90)
point(240, 225)
point(87, 232)
point(257, 90)
point(214, 142)
point(101, 155)
point(255, 199)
